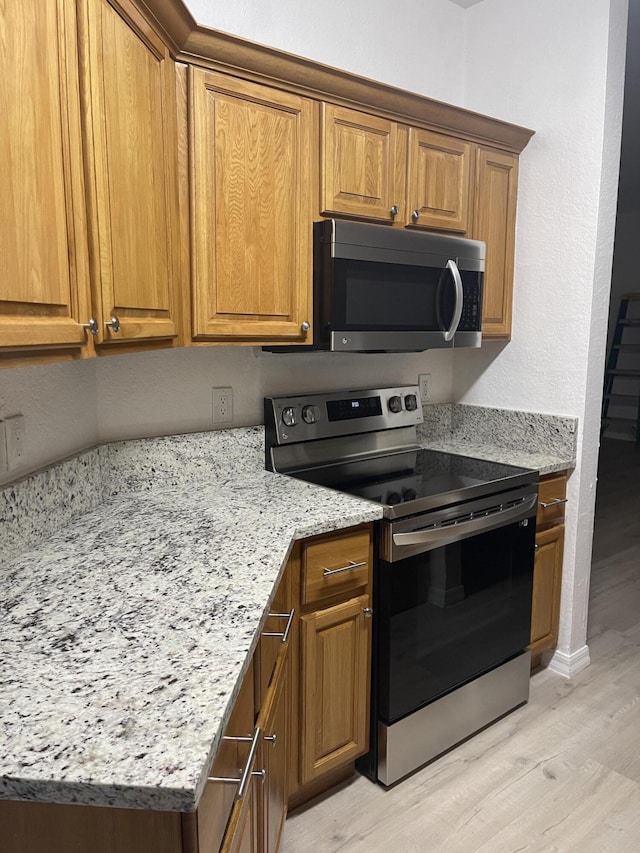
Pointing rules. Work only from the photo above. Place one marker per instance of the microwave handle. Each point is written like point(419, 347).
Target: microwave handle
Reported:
point(457, 313)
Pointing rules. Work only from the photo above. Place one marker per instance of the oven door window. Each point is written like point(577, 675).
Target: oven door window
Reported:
point(373, 296)
point(450, 614)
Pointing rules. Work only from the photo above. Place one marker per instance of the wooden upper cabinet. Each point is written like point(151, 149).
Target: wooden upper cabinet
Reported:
point(358, 159)
point(251, 163)
point(438, 182)
point(496, 183)
point(43, 267)
point(128, 96)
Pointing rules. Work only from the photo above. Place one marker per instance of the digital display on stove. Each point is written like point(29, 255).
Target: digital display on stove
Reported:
point(355, 407)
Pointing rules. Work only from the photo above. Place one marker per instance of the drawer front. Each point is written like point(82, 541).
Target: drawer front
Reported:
point(334, 565)
point(552, 494)
point(218, 798)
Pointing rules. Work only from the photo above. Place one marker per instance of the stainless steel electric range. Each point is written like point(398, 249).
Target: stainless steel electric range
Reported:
point(453, 572)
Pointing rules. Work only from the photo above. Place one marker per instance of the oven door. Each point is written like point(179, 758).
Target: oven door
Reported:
point(450, 613)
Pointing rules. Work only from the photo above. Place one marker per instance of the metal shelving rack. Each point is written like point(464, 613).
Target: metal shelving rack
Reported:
point(622, 373)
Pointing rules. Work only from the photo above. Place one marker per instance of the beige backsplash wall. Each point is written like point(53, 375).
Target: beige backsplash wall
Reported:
point(73, 405)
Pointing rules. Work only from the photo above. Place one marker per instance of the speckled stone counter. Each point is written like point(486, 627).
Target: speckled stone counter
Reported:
point(125, 633)
point(546, 443)
point(136, 577)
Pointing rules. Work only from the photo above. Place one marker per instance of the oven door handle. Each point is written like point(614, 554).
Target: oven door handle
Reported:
point(453, 532)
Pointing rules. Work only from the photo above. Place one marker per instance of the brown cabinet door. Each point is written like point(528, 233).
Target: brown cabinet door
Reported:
point(130, 148)
point(547, 578)
point(358, 164)
point(251, 199)
point(438, 182)
point(43, 266)
point(243, 834)
point(336, 649)
point(275, 724)
point(495, 223)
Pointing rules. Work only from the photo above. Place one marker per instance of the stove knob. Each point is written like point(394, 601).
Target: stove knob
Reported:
point(289, 416)
point(310, 414)
point(395, 404)
point(410, 403)
point(394, 498)
point(409, 495)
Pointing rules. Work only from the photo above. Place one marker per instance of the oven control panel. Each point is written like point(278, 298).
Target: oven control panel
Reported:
point(313, 416)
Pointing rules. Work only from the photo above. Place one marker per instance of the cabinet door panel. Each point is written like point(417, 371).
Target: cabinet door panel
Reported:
point(275, 724)
point(358, 164)
point(438, 185)
point(252, 225)
point(335, 686)
point(130, 129)
point(42, 235)
point(547, 578)
point(494, 222)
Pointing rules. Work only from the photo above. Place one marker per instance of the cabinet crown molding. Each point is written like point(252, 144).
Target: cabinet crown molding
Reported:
point(201, 45)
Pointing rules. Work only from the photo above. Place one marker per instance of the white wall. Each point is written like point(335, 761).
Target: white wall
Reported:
point(166, 392)
point(419, 46)
point(563, 76)
point(59, 405)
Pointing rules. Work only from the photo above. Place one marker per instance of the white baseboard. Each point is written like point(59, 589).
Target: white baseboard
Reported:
point(569, 665)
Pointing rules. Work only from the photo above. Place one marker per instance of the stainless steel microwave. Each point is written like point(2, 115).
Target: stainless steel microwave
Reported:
point(381, 289)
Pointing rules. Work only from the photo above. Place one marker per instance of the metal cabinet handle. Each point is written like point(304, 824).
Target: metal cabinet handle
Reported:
point(327, 572)
point(247, 773)
point(416, 214)
point(272, 739)
point(368, 612)
point(283, 634)
point(556, 502)
point(114, 324)
point(395, 210)
point(91, 326)
point(305, 326)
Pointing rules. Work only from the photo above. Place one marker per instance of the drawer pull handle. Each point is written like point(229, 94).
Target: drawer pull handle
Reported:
point(556, 502)
point(283, 634)
point(327, 572)
point(247, 773)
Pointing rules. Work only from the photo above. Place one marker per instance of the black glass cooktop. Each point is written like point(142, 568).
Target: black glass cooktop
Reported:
point(418, 480)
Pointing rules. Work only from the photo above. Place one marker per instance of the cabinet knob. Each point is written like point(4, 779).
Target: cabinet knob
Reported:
point(272, 739)
point(368, 612)
point(395, 210)
point(305, 326)
point(91, 326)
point(416, 215)
point(114, 324)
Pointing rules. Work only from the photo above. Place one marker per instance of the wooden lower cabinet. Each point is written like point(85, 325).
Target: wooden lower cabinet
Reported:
point(335, 646)
point(547, 571)
point(307, 692)
point(547, 579)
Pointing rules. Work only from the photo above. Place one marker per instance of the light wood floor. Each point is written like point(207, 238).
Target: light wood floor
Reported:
point(561, 774)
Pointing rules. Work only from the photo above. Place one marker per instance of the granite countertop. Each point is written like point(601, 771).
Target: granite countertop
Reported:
point(125, 635)
point(538, 460)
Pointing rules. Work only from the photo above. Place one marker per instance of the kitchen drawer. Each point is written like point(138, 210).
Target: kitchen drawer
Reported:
point(218, 798)
point(335, 564)
point(552, 493)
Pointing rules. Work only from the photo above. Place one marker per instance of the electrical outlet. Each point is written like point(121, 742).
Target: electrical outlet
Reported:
point(15, 442)
point(222, 405)
point(424, 383)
